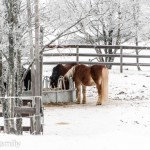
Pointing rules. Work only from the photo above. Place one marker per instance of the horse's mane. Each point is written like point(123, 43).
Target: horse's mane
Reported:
point(70, 72)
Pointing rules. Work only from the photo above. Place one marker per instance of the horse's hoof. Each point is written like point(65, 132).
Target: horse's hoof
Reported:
point(77, 102)
point(83, 102)
point(98, 103)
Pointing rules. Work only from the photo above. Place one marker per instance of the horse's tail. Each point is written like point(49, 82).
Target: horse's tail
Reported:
point(104, 84)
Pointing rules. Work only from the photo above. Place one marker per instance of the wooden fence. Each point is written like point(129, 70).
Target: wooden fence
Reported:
point(120, 54)
point(28, 110)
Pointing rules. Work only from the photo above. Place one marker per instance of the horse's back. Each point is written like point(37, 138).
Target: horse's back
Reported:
point(69, 66)
point(96, 70)
point(82, 70)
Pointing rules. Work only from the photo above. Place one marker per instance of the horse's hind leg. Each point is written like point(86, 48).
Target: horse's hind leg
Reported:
point(78, 94)
point(99, 102)
point(84, 94)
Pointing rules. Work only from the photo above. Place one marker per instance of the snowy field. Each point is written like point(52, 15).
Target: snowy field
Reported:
point(122, 123)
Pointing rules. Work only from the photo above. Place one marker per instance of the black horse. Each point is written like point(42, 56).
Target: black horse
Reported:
point(60, 70)
point(27, 80)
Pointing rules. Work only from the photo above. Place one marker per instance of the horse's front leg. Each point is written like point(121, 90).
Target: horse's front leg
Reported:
point(84, 94)
point(78, 94)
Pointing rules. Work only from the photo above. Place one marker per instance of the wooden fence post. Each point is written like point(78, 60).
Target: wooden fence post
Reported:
point(37, 70)
point(121, 60)
point(77, 57)
point(29, 13)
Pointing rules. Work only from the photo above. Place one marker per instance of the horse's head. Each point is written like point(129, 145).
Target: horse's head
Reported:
point(26, 75)
point(56, 73)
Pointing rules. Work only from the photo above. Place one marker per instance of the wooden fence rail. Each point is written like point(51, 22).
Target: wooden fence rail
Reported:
point(95, 55)
point(120, 55)
point(99, 46)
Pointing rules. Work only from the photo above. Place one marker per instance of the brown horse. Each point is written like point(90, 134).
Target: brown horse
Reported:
point(90, 76)
point(58, 71)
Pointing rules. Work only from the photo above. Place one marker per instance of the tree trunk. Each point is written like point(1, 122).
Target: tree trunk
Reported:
point(41, 58)
point(136, 22)
point(118, 38)
point(4, 101)
point(14, 63)
point(10, 20)
point(18, 93)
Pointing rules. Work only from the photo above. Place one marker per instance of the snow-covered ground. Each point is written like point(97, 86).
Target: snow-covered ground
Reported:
point(122, 123)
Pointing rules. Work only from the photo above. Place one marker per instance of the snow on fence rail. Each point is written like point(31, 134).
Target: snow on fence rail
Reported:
point(120, 55)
